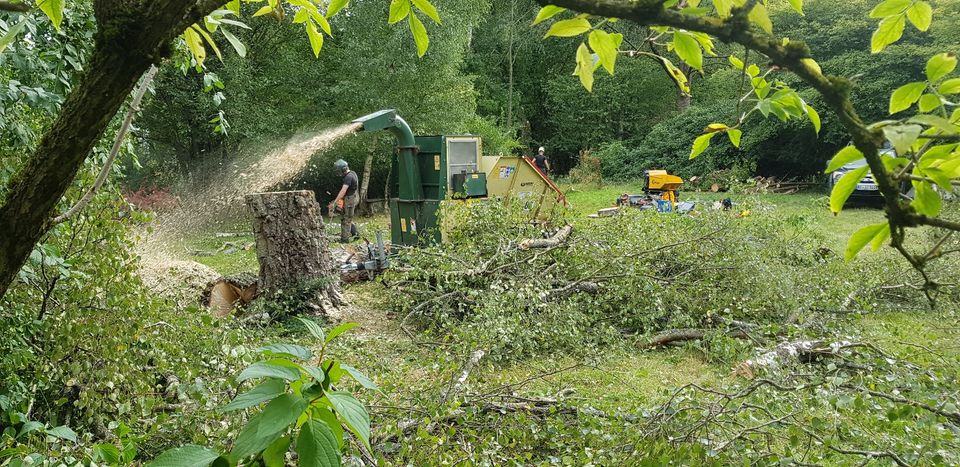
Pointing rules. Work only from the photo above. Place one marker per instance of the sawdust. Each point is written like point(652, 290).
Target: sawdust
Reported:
point(162, 247)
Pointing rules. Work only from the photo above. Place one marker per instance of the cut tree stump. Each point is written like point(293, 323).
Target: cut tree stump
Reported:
point(291, 247)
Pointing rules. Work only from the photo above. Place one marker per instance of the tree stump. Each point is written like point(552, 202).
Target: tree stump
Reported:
point(292, 248)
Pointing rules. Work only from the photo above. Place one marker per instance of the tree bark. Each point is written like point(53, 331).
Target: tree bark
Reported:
point(292, 248)
point(131, 36)
point(365, 183)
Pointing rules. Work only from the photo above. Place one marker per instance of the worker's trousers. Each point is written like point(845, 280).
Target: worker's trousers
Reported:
point(346, 217)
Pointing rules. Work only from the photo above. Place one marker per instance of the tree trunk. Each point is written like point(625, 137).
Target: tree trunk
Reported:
point(292, 248)
point(130, 37)
point(510, 63)
point(365, 183)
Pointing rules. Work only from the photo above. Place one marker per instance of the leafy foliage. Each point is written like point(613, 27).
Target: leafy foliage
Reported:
point(301, 397)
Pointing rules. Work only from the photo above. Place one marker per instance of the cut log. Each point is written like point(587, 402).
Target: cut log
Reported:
point(291, 246)
point(555, 240)
point(229, 293)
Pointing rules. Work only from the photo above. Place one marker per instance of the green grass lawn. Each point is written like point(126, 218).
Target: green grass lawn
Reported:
point(587, 200)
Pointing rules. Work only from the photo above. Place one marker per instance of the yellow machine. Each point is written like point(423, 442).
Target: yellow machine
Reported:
point(659, 192)
point(662, 186)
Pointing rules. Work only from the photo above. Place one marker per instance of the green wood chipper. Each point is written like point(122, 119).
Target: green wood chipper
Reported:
point(429, 170)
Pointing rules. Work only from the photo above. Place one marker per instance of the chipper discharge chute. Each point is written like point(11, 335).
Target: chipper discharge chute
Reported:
point(431, 169)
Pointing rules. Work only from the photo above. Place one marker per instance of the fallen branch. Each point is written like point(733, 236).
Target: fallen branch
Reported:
point(570, 289)
point(556, 239)
point(464, 374)
point(683, 335)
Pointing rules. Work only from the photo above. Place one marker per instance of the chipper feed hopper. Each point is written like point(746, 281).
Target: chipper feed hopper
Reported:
point(428, 170)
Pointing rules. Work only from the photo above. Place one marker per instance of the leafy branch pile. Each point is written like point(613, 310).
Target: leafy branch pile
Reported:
point(635, 274)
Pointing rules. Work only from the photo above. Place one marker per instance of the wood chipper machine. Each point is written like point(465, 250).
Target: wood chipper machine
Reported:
point(429, 170)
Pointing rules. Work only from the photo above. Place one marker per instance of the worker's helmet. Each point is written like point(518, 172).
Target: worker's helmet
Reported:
point(341, 166)
point(541, 149)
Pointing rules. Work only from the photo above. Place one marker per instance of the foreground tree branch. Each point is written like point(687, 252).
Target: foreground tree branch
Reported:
point(796, 57)
point(131, 36)
point(16, 7)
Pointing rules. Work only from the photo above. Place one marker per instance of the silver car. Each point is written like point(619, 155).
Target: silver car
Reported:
point(867, 189)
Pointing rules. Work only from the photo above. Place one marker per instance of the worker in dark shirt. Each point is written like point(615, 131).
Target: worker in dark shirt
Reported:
point(541, 161)
point(347, 194)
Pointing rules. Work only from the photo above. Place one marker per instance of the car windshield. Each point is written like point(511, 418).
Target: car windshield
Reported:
point(886, 152)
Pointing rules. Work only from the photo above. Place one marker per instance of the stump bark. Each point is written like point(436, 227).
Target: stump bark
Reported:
point(292, 248)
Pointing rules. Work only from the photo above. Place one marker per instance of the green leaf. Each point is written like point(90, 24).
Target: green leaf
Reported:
point(263, 11)
point(292, 350)
point(335, 7)
point(605, 47)
point(195, 45)
point(843, 157)
point(734, 135)
point(237, 45)
point(275, 454)
point(359, 377)
point(940, 177)
point(880, 238)
point(759, 16)
point(353, 414)
point(950, 86)
point(688, 49)
point(935, 121)
point(889, 8)
point(322, 22)
point(568, 28)
point(814, 118)
point(53, 9)
point(268, 370)
point(861, 238)
point(327, 416)
point(11, 34)
point(261, 393)
point(189, 455)
point(63, 432)
point(313, 327)
point(677, 75)
point(266, 426)
point(547, 12)
point(210, 41)
point(427, 8)
point(928, 102)
point(399, 9)
point(736, 62)
point(700, 144)
point(316, 39)
point(340, 330)
point(107, 453)
point(316, 373)
point(889, 31)
point(941, 65)
point(585, 67)
point(29, 427)
point(753, 70)
point(926, 201)
point(902, 136)
point(723, 7)
point(921, 15)
point(797, 5)
point(844, 188)
point(905, 96)
point(423, 43)
point(317, 446)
